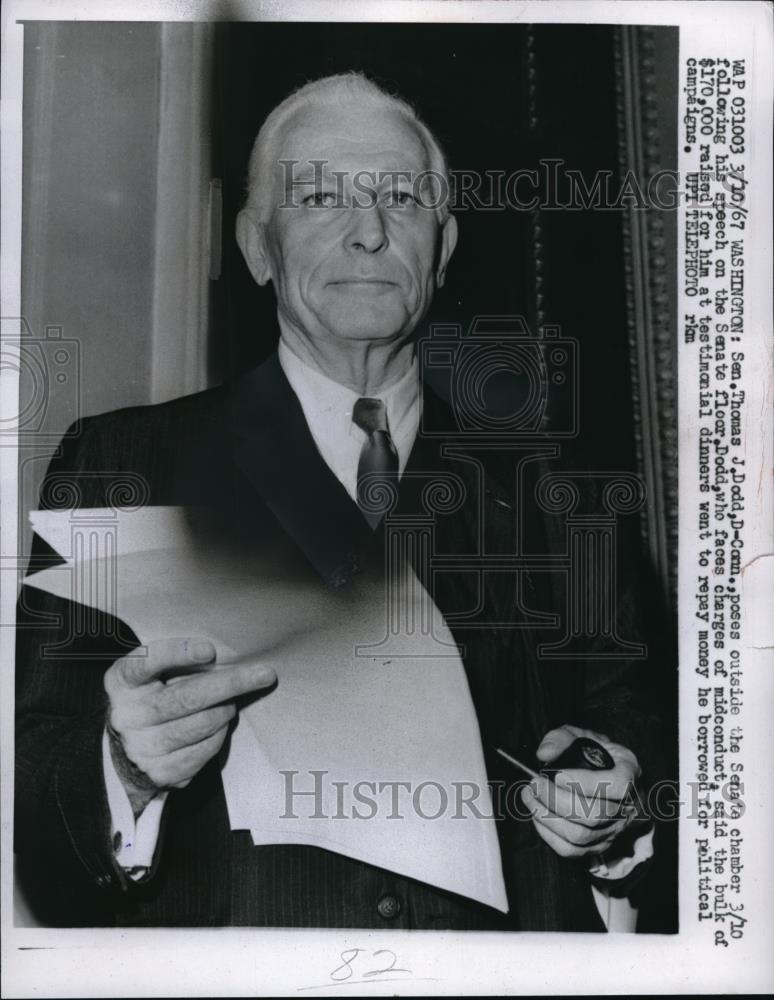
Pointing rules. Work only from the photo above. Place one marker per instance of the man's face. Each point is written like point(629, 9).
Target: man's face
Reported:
point(351, 253)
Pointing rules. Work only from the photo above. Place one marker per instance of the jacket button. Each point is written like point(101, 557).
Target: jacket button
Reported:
point(388, 907)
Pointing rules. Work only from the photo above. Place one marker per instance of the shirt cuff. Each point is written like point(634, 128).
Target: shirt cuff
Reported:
point(642, 850)
point(618, 914)
point(133, 840)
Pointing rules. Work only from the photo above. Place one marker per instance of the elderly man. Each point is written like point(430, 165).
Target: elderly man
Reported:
point(121, 817)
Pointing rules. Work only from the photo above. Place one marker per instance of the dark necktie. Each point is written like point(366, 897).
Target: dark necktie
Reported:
point(377, 470)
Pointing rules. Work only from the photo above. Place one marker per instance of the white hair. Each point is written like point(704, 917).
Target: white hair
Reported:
point(341, 88)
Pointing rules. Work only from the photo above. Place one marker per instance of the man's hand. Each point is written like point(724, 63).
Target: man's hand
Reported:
point(170, 712)
point(580, 813)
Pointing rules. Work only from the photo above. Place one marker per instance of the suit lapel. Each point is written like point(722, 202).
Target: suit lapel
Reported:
point(274, 450)
point(426, 464)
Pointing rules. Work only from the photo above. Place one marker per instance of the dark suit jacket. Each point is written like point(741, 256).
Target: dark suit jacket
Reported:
point(246, 453)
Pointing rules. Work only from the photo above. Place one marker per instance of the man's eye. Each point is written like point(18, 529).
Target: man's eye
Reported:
point(401, 199)
point(320, 199)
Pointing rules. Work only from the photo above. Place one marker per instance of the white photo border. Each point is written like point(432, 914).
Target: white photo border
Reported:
point(233, 962)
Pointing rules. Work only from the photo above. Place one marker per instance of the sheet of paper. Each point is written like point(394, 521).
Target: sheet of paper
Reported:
point(379, 727)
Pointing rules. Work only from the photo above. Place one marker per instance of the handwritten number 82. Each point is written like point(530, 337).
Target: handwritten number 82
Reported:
point(345, 971)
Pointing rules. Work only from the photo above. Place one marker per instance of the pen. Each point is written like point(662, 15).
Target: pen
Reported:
point(517, 763)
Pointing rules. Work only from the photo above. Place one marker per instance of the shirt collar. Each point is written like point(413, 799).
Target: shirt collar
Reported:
point(328, 405)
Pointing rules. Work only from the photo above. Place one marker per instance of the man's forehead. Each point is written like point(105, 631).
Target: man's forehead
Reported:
point(336, 135)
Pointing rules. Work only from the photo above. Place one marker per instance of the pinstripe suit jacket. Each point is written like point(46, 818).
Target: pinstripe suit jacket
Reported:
point(247, 452)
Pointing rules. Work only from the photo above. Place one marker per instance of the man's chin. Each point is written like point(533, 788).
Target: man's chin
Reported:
point(368, 328)
point(380, 336)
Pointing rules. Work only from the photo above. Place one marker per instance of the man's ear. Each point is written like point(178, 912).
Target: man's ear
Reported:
point(448, 243)
point(251, 237)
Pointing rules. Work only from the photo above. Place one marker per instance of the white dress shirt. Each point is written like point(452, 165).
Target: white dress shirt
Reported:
point(327, 407)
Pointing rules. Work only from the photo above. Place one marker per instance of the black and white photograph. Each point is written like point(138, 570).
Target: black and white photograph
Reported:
point(386, 498)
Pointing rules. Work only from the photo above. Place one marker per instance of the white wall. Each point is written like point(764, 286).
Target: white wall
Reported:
point(114, 247)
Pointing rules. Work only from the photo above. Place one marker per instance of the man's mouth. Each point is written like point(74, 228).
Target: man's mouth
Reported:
point(362, 281)
point(363, 286)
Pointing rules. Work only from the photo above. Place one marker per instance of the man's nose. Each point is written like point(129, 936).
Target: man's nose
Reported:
point(367, 230)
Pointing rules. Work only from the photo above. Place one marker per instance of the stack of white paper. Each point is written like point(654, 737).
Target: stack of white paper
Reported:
point(388, 742)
